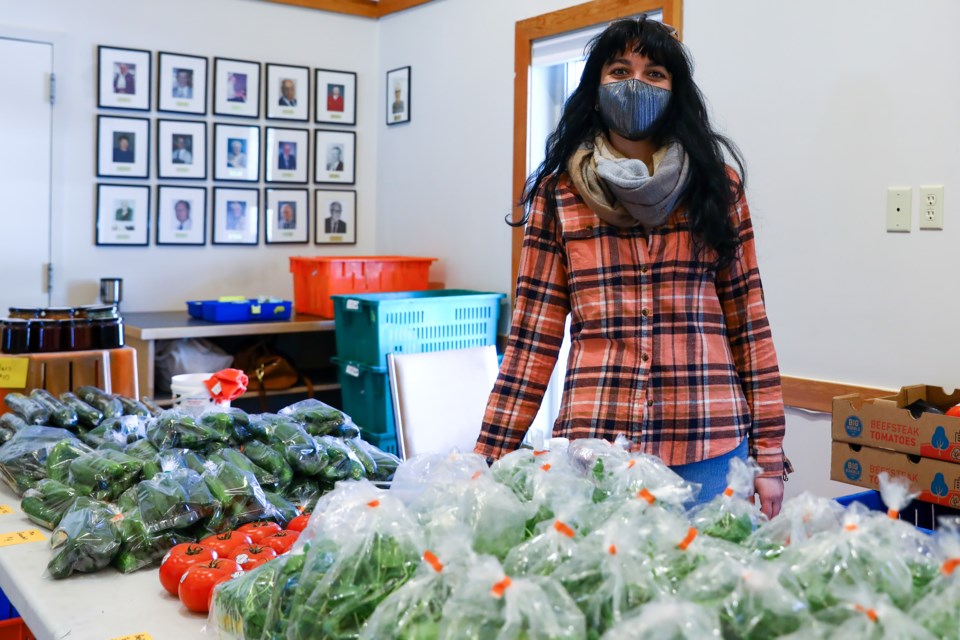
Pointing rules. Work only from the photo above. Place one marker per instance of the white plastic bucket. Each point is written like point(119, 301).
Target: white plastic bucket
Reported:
point(190, 394)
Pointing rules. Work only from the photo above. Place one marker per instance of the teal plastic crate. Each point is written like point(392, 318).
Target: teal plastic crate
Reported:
point(365, 391)
point(384, 441)
point(369, 326)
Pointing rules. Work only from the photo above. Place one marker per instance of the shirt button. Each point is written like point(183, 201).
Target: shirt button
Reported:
point(644, 357)
point(649, 403)
point(645, 312)
point(643, 268)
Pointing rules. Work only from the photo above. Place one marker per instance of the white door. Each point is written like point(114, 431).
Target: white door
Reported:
point(25, 161)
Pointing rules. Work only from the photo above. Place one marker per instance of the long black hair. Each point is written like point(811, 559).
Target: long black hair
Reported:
point(710, 191)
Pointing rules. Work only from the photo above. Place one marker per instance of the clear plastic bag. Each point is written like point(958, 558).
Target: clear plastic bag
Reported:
point(175, 429)
point(171, 500)
point(239, 608)
point(60, 457)
point(555, 542)
point(23, 458)
point(104, 474)
point(667, 619)
point(299, 448)
point(85, 540)
point(230, 422)
point(139, 547)
point(238, 493)
point(730, 516)
point(270, 460)
point(861, 613)
point(937, 611)
point(47, 502)
point(646, 477)
point(318, 418)
point(799, 519)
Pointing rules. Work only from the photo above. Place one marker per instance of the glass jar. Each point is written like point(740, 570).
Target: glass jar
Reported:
point(25, 313)
point(58, 313)
point(45, 335)
point(16, 336)
point(80, 332)
point(108, 332)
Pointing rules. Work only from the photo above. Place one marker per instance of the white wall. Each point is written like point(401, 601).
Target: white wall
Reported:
point(157, 278)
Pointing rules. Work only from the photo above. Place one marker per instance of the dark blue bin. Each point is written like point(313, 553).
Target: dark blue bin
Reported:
point(922, 515)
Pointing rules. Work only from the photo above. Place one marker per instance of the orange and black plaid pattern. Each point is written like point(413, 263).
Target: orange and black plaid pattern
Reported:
point(676, 356)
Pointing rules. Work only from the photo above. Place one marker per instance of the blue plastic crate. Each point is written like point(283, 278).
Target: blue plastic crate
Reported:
point(922, 515)
point(365, 391)
point(7, 610)
point(383, 441)
point(241, 311)
point(369, 326)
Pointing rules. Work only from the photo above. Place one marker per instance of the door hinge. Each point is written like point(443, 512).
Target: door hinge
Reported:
point(49, 277)
point(53, 88)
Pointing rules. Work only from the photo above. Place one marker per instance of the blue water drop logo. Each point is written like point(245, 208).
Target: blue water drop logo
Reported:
point(854, 426)
point(940, 440)
point(853, 470)
point(939, 487)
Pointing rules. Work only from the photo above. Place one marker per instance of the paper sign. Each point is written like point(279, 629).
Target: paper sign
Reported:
point(21, 537)
point(135, 636)
point(13, 373)
point(5, 510)
point(352, 370)
point(353, 305)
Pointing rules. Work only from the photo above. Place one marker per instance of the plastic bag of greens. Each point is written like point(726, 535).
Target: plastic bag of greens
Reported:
point(174, 429)
point(751, 601)
point(85, 540)
point(299, 448)
point(267, 480)
point(6, 433)
point(379, 547)
point(555, 542)
point(104, 474)
point(667, 619)
point(270, 460)
point(61, 415)
point(422, 473)
point(490, 604)
point(730, 516)
point(164, 502)
point(23, 458)
point(517, 470)
point(121, 430)
point(861, 613)
point(279, 610)
point(318, 418)
point(47, 501)
point(146, 452)
point(600, 461)
point(87, 417)
point(282, 510)
point(648, 478)
point(937, 611)
point(343, 463)
point(304, 493)
point(237, 491)
point(31, 411)
point(239, 607)
point(13, 423)
point(387, 463)
point(799, 519)
point(140, 547)
point(60, 457)
point(231, 423)
point(415, 609)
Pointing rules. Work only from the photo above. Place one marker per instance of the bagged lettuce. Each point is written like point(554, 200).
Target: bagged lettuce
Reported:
point(800, 519)
point(730, 516)
point(239, 609)
point(862, 613)
point(23, 458)
point(318, 418)
point(937, 611)
point(667, 619)
point(85, 540)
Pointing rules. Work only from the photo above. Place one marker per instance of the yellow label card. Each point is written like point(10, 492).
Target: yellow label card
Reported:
point(5, 510)
point(13, 373)
point(21, 537)
point(135, 636)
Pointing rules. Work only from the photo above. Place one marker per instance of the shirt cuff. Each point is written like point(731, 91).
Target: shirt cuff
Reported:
point(773, 462)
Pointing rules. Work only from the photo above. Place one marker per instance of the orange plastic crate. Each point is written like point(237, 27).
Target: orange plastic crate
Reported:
point(15, 629)
point(316, 279)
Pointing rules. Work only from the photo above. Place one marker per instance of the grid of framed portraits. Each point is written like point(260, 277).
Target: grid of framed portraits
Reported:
point(261, 173)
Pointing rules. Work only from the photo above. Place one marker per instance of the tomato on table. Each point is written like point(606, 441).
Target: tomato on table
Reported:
point(178, 560)
point(197, 583)
point(251, 556)
point(299, 523)
point(224, 543)
point(281, 541)
point(259, 530)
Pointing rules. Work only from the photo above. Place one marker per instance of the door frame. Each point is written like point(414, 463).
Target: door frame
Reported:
point(580, 16)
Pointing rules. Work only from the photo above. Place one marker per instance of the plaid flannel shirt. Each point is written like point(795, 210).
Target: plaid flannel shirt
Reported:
point(676, 356)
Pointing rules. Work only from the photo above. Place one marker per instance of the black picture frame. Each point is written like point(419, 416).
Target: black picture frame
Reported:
point(129, 66)
point(248, 231)
point(112, 230)
point(167, 200)
point(273, 139)
point(112, 158)
point(168, 166)
point(324, 80)
point(225, 167)
point(399, 79)
point(323, 198)
point(273, 97)
point(273, 209)
point(170, 97)
point(323, 140)
point(230, 100)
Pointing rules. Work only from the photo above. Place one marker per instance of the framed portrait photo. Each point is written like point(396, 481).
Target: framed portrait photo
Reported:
point(236, 152)
point(286, 216)
point(236, 88)
point(182, 83)
point(123, 78)
point(123, 147)
point(123, 215)
point(335, 157)
point(286, 155)
point(181, 215)
point(336, 97)
point(236, 216)
point(336, 217)
point(182, 149)
point(398, 95)
point(288, 92)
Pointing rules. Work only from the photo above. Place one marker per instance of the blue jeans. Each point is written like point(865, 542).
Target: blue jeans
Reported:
point(711, 474)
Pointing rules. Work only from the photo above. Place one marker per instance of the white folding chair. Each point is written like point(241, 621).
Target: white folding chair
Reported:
point(439, 398)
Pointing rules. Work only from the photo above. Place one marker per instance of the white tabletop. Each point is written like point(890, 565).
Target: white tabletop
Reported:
point(97, 606)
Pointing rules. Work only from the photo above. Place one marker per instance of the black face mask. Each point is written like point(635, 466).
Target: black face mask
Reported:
point(631, 107)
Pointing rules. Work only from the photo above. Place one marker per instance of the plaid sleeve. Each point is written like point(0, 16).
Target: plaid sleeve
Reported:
point(539, 315)
point(751, 342)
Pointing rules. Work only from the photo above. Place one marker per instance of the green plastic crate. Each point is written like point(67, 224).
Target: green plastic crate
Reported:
point(384, 441)
point(366, 396)
point(369, 326)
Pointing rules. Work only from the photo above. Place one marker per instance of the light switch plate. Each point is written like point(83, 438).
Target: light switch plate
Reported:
point(898, 208)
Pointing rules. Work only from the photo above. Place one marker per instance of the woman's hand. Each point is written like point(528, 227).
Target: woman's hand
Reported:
point(770, 490)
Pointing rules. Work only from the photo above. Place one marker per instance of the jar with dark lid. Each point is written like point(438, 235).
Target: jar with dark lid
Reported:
point(16, 336)
point(80, 335)
point(45, 335)
point(58, 313)
point(97, 311)
point(25, 313)
point(108, 332)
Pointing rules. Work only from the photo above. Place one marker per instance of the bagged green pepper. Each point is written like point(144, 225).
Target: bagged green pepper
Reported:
point(299, 448)
point(174, 429)
point(85, 540)
point(146, 452)
point(87, 417)
point(238, 492)
point(100, 400)
point(139, 546)
point(23, 458)
point(270, 460)
point(318, 418)
point(47, 501)
point(266, 479)
point(104, 474)
point(342, 463)
point(233, 423)
point(60, 457)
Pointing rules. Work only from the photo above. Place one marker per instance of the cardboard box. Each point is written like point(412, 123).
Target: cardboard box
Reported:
point(937, 481)
point(885, 423)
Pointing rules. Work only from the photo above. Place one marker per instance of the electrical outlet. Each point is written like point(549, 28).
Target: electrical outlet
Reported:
point(898, 208)
point(931, 207)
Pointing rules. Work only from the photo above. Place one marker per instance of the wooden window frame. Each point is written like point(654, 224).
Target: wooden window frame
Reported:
point(364, 8)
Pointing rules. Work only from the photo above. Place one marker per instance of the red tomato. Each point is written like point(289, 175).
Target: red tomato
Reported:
point(259, 530)
point(299, 523)
point(954, 411)
point(178, 560)
point(224, 543)
point(252, 556)
point(196, 585)
point(281, 541)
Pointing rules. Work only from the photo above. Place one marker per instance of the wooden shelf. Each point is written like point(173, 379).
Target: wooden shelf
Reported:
point(252, 395)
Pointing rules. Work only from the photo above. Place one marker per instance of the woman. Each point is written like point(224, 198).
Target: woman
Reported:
point(638, 230)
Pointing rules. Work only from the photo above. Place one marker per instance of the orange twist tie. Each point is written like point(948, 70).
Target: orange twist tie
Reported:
point(373, 504)
point(850, 527)
point(950, 566)
point(728, 492)
point(691, 534)
point(433, 561)
point(631, 464)
point(537, 454)
point(564, 529)
point(499, 588)
point(476, 475)
point(893, 514)
point(870, 613)
point(612, 550)
point(643, 494)
point(301, 508)
point(546, 467)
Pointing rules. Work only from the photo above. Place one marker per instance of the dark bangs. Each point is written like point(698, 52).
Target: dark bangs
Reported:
point(643, 36)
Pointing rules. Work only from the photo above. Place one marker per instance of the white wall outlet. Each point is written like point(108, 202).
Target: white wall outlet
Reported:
point(898, 208)
point(931, 207)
